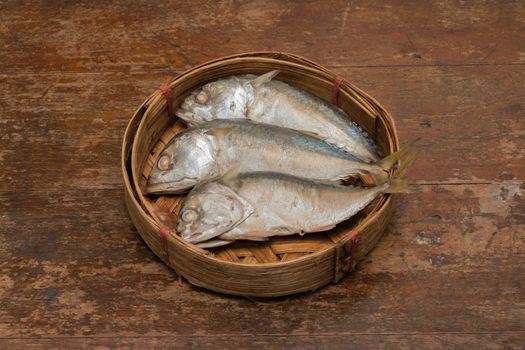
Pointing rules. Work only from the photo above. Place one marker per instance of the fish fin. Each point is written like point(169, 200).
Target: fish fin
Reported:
point(388, 162)
point(313, 134)
point(213, 243)
point(219, 132)
point(230, 174)
point(320, 137)
point(399, 186)
point(263, 79)
point(369, 180)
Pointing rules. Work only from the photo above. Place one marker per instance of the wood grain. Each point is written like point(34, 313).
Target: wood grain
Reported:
point(485, 341)
point(437, 261)
point(457, 112)
point(448, 272)
point(131, 36)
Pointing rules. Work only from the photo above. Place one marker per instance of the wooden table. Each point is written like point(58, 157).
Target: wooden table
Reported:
point(450, 270)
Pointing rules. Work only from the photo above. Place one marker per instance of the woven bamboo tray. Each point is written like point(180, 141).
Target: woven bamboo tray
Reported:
point(283, 265)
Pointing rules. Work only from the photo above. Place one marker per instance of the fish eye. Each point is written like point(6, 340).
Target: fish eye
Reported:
point(164, 162)
point(202, 97)
point(189, 215)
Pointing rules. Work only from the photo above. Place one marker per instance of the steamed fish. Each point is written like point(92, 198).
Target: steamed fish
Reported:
point(202, 153)
point(264, 100)
point(255, 206)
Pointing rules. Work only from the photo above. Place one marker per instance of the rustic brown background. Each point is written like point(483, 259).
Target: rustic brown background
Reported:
point(450, 271)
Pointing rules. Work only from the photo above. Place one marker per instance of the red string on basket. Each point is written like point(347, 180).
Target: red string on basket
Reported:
point(335, 89)
point(166, 91)
point(164, 232)
point(354, 243)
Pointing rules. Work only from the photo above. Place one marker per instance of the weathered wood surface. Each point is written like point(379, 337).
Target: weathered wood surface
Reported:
point(129, 36)
point(448, 273)
point(64, 123)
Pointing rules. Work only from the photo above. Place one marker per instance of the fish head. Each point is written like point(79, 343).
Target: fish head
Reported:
point(221, 99)
point(188, 159)
point(211, 210)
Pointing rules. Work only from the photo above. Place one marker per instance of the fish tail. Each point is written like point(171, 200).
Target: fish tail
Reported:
point(396, 184)
point(406, 163)
point(388, 162)
point(399, 186)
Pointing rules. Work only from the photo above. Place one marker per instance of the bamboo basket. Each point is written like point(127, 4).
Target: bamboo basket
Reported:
point(283, 265)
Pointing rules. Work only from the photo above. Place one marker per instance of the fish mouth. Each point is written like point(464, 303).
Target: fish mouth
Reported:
point(196, 233)
point(194, 113)
point(184, 112)
point(195, 237)
point(170, 187)
point(185, 115)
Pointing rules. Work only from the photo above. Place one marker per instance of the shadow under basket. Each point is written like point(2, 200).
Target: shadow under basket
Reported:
point(282, 265)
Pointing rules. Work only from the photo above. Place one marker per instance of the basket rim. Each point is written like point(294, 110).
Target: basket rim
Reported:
point(131, 186)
